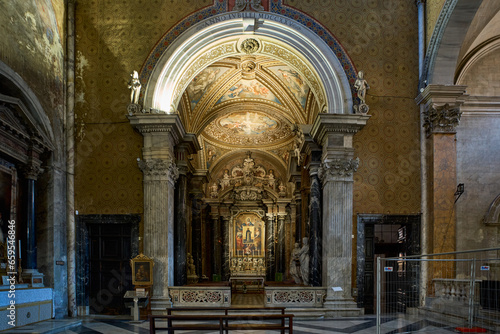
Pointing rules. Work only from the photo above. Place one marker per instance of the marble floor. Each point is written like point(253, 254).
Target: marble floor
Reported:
point(119, 325)
point(123, 325)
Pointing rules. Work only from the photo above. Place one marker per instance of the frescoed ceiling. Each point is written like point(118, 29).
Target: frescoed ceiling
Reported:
point(247, 102)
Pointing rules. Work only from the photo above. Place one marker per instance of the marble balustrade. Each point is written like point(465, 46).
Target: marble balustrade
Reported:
point(189, 296)
point(303, 297)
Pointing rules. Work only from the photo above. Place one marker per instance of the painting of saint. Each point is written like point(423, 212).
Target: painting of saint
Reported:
point(248, 229)
point(248, 236)
point(239, 241)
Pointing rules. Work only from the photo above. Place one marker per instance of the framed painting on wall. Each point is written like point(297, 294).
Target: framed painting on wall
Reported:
point(142, 270)
point(248, 235)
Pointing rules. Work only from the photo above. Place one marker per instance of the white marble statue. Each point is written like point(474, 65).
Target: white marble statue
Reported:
point(304, 261)
point(295, 264)
point(214, 191)
point(135, 88)
point(361, 86)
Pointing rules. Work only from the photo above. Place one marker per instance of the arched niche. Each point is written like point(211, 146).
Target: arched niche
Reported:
point(16, 92)
point(222, 35)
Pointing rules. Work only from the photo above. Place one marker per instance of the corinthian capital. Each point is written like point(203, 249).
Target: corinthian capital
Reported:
point(31, 171)
point(338, 169)
point(441, 119)
point(159, 168)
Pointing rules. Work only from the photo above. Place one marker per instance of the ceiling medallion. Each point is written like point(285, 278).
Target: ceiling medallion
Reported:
point(250, 45)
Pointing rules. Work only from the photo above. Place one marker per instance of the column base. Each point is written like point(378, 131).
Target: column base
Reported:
point(159, 304)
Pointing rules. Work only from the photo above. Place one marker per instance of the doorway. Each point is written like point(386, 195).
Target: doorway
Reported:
point(385, 236)
point(110, 273)
point(106, 245)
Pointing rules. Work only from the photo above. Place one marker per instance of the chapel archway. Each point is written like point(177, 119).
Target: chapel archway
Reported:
point(236, 107)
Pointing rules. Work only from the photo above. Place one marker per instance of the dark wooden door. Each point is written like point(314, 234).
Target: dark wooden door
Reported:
point(369, 274)
point(110, 272)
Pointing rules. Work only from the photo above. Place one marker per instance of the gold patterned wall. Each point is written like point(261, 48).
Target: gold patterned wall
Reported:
point(381, 38)
point(115, 38)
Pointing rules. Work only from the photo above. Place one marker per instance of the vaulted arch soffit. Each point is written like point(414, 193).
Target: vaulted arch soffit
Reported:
point(445, 44)
point(234, 93)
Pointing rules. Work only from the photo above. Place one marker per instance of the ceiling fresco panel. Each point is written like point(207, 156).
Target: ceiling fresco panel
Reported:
point(249, 89)
point(293, 81)
point(202, 82)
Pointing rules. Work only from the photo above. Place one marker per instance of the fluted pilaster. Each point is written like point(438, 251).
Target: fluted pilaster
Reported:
point(335, 132)
point(159, 179)
point(337, 229)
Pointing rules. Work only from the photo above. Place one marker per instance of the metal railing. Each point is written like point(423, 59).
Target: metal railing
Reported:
point(454, 291)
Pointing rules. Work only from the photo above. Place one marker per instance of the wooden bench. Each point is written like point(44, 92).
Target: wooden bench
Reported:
point(226, 310)
point(223, 323)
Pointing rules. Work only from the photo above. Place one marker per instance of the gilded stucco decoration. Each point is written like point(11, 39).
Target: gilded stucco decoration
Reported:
point(248, 180)
point(298, 76)
point(250, 45)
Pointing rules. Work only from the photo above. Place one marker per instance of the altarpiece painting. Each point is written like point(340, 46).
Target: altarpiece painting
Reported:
point(248, 235)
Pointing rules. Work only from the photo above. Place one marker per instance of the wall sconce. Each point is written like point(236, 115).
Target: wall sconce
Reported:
point(459, 191)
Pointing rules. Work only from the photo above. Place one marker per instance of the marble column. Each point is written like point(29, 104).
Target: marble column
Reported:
point(180, 222)
point(161, 132)
point(334, 133)
point(30, 272)
point(315, 229)
point(189, 145)
point(295, 179)
point(225, 248)
point(280, 246)
point(270, 248)
point(196, 196)
point(298, 217)
point(217, 246)
point(31, 172)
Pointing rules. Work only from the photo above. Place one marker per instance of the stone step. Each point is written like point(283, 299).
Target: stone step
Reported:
point(46, 327)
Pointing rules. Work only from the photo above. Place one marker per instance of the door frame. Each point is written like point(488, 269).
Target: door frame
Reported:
point(83, 251)
point(365, 247)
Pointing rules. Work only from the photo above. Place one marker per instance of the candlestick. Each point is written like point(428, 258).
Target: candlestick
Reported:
point(19, 249)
